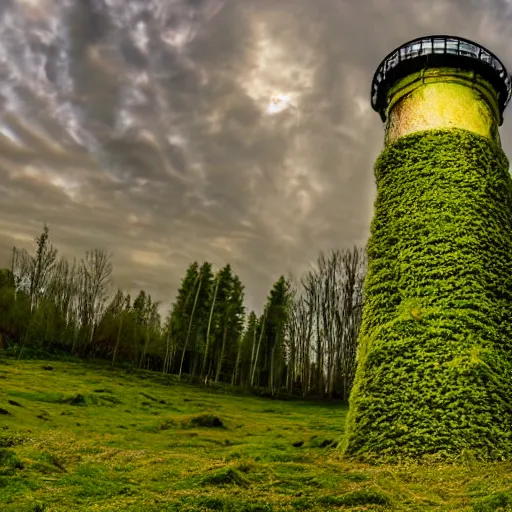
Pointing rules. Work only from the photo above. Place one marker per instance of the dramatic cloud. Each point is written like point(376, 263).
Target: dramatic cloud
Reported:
point(168, 131)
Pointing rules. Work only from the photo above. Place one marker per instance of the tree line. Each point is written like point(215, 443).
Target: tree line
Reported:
point(303, 343)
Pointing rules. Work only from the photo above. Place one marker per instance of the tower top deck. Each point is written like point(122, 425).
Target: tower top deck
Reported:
point(439, 51)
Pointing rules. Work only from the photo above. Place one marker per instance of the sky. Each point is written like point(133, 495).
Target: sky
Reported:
point(231, 131)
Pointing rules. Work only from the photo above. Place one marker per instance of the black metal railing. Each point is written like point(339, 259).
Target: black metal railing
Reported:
point(446, 48)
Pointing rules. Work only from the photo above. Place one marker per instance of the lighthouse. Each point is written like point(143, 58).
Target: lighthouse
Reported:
point(434, 363)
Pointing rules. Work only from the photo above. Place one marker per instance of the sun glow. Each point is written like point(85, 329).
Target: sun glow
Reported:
point(279, 74)
point(278, 103)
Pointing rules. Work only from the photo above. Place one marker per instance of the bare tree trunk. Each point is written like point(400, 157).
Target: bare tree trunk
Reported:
point(210, 370)
point(25, 338)
point(118, 338)
point(194, 367)
point(91, 334)
point(76, 331)
point(173, 354)
point(252, 354)
point(272, 365)
point(319, 352)
point(258, 348)
point(219, 364)
point(290, 376)
point(189, 327)
point(166, 359)
point(237, 364)
point(146, 343)
point(209, 326)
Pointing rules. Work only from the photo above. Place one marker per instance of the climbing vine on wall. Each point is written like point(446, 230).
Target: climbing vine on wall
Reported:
point(434, 373)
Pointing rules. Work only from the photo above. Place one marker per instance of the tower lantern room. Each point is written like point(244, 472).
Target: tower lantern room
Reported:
point(441, 82)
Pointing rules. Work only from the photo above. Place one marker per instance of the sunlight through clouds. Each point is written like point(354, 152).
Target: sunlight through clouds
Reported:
point(275, 70)
point(279, 102)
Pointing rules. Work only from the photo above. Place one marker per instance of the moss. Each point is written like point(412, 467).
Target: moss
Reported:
point(9, 462)
point(497, 501)
point(354, 498)
point(206, 420)
point(225, 476)
point(434, 363)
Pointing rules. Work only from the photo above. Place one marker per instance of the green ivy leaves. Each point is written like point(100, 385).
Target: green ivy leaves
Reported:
point(435, 358)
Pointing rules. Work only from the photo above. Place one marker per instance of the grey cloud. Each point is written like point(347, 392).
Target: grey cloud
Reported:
point(141, 126)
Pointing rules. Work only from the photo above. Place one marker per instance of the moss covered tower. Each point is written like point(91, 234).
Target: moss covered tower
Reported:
point(434, 374)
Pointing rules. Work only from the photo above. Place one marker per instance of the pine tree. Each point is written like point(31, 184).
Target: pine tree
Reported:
point(201, 315)
point(222, 319)
point(236, 317)
point(248, 349)
point(277, 314)
point(179, 316)
point(213, 303)
point(256, 355)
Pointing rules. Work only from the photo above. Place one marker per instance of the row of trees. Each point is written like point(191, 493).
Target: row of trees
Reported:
point(304, 342)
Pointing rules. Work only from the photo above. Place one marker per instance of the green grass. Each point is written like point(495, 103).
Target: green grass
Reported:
point(87, 438)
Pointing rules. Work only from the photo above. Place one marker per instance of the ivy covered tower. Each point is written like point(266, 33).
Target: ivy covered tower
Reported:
point(434, 374)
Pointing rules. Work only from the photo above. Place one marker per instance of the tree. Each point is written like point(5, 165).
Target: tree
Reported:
point(199, 331)
point(248, 348)
point(182, 312)
point(34, 274)
point(260, 331)
point(277, 315)
point(304, 341)
point(110, 326)
point(235, 319)
point(7, 301)
point(94, 277)
point(222, 318)
point(208, 329)
point(324, 322)
point(41, 266)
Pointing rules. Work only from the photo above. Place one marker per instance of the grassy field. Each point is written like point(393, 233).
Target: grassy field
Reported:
point(77, 437)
